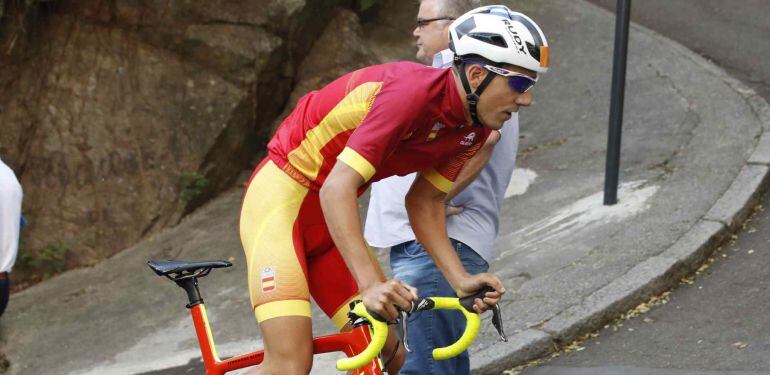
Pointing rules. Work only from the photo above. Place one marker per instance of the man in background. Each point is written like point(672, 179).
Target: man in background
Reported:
point(10, 222)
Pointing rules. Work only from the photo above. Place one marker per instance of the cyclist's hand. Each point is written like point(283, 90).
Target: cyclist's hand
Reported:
point(383, 297)
point(453, 210)
point(473, 283)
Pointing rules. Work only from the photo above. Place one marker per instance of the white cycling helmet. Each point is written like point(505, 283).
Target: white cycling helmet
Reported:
point(500, 35)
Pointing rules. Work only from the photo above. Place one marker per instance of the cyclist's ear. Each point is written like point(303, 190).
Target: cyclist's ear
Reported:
point(476, 74)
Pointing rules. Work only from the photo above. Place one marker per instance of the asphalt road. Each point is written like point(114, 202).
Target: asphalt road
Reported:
point(718, 324)
point(734, 34)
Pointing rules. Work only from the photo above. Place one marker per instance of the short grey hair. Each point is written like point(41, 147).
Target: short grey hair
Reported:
point(456, 8)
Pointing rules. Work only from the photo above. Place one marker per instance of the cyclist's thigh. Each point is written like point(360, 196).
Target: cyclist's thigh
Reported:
point(332, 285)
point(275, 258)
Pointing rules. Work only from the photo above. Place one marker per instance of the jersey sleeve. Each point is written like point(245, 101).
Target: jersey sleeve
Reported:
point(444, 175)
point(393, 112)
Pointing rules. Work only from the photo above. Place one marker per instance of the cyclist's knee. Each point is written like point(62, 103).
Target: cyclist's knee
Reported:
point(292, 358)
point(285, 363)
point(288, 345)
point(299, 368)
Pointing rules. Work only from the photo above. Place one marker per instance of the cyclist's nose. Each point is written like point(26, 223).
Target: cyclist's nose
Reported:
point(525, 99)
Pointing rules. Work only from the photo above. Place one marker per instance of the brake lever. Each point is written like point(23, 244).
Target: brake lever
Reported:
point(402, 326)
point(497, 313)
point(402, 329)
point(402, 332)
point(497, 321)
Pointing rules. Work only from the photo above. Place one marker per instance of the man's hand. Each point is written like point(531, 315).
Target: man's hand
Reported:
point(383, 298)
point(473, 283)
point(453, 210)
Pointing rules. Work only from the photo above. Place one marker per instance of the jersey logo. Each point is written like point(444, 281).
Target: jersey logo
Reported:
point(468, 139)
point(268, 279)
point(434, 131)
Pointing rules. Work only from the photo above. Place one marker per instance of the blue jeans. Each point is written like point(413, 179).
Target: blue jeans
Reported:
point(433, 329)
point(5, 290)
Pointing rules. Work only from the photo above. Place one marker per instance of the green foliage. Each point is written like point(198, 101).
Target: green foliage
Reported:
point(363, 5)
point(192, 185)
point(49, 260)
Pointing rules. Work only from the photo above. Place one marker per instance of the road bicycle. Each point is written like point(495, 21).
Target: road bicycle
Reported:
point(362, 345)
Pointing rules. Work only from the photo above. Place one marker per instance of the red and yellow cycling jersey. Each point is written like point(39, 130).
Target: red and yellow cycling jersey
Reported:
point(384, 120)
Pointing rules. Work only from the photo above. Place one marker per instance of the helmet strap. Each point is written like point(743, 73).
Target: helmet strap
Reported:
point(474, 97)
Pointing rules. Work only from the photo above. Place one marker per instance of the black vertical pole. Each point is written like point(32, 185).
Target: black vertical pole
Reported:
point(622, 21)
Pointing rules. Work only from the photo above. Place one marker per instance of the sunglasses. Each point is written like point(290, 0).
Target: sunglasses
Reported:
point(422, 22)
point(519, 82)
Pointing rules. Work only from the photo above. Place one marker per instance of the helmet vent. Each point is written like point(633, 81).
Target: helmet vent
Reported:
point(494, 39)
point(534, 51)
point(465, 27)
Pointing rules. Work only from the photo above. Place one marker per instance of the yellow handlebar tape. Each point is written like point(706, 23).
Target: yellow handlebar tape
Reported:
point(379, 334)
point(471, 328)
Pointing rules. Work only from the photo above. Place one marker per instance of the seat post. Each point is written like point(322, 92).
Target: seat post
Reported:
point(190, 285)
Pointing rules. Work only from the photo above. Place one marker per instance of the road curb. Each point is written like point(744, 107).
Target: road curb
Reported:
point(661, 272)
point(637, 285)
point(520, 348)
point(737, 203)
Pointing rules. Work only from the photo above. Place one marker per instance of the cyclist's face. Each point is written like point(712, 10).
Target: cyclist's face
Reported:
point(499, 101)
point(433, 37)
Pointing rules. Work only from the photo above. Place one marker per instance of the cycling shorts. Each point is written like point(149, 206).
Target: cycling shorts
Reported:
point(289, 252)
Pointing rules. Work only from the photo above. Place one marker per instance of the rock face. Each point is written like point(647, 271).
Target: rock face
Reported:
point(339, 50)
point(119, 116)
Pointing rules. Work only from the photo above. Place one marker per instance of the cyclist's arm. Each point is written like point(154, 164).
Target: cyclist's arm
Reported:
point(339, 202)
point(425, 207)
point(474, 166)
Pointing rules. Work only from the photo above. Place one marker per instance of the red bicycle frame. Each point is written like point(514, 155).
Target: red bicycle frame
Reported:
point(354, 343)
point(350, 343)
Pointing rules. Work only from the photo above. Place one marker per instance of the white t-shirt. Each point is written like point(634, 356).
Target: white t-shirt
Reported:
point(10, 217)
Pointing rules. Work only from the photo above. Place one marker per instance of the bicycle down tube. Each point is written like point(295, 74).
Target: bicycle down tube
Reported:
point(351, 343)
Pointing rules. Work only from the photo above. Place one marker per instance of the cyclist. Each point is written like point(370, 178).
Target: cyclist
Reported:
point(299, 224)
point(472, 215)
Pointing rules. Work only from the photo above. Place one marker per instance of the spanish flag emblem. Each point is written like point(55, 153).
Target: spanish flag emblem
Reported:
point(268, 279)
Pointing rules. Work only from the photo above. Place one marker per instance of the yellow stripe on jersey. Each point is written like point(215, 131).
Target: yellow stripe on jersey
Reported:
point(354, 160)
point(340, 317)
point(437, 180)
point(346, 115)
